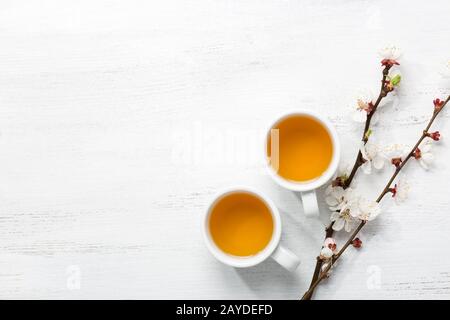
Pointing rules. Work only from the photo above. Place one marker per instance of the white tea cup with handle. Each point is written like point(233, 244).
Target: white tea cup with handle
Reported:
point(302, 152)
point(242, 228)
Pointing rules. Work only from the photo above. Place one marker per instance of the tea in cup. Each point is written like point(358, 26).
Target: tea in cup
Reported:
point(302, 151)
point(242, 228)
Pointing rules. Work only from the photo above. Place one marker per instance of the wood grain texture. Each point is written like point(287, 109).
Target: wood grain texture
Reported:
point(120, 119)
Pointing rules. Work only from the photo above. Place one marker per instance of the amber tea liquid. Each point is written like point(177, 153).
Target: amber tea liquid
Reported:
point(241, 224)
point(304, 148)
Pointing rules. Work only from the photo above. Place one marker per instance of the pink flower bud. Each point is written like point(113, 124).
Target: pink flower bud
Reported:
point(417, 153)
point(330, 243)
point(393, 190)
point(438, 104)
point(434, 135)
point(389, 62)
point(357, 243)
point(396, 161)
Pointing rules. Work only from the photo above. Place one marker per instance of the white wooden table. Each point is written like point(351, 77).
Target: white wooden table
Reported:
point(120, 119)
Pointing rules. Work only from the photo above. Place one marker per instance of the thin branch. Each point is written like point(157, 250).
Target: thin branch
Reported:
point(386, 189)
point(358, 162)
point(365, 137)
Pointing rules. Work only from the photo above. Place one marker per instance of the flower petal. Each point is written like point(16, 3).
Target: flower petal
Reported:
point(337, 208)
point(426, 147)
point(369, 209)
point(362, 148)
point(423, 164)
point(350, 194)
point(402, 191)
point(348, 226)
point(355, 211)
point(427, 157)
point(338, 192)
point(335, 215)
point(338, 224)
point(365, 95)
point(331, 201)
point(378, 162)
point(371, 150)
point(373, 213)
point(326, 253)
point(390, 52)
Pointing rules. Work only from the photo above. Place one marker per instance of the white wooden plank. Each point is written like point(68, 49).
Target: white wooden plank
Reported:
point(119, 119)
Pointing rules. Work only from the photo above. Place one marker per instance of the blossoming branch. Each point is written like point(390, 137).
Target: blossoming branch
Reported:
point(366, 210)
point(368, 155)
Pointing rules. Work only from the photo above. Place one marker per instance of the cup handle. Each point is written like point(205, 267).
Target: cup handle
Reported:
point(310, 205)
point(286, 258)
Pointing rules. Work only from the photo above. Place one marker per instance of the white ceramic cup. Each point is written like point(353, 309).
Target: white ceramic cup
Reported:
point(283, 256)
point(307, 188)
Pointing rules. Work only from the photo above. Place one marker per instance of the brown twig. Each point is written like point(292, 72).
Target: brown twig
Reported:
point(385, 191)
point(358, 162)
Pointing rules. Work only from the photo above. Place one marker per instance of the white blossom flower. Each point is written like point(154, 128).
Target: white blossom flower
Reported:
point(400, 191)
point(390, 52)
point(396, 153)
point(361, 111)
point(334, 197)
point(337, 198)
point(424, 154)
point(369, 210)
point(364, 105)
point(396, 150)
point(365, 101)
point(365, 209)
point(339, 201)
point(342, 219)
point(373, 155)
